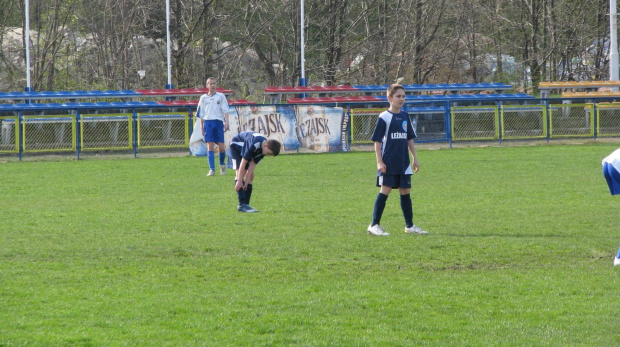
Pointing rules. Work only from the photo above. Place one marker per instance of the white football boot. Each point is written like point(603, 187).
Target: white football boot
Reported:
point(414, 229)
point(376, 230)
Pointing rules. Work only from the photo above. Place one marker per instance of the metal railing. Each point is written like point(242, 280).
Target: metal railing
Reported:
point(28, 130)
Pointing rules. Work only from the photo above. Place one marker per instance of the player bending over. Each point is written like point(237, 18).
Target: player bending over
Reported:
point(246, 151)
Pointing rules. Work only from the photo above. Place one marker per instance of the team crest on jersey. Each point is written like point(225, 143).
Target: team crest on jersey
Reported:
point(405, 126)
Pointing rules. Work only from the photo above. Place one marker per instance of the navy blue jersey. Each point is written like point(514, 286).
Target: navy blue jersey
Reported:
point(394, 130)
point(249, 145)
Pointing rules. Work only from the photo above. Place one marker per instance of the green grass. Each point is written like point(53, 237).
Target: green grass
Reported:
point(151, 252)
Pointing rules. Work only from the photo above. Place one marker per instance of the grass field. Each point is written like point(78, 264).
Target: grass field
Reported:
point(151, 252)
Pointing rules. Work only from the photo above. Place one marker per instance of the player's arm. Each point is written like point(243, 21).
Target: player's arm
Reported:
point(249, 176)
point(416, 165)
point(198, 108)
point(380, 165)
point(225, 108)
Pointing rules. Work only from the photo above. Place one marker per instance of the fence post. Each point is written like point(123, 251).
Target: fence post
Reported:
point(78, 133)
point(447, 124)
point(499, 120)
point(134, 122)
point(548, 119)
point(595, 117)
point(349, 126)
point(19, 134)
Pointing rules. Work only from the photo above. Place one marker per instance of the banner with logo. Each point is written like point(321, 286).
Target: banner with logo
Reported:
point(322, 129)
point(306, 128)
point(273, 121)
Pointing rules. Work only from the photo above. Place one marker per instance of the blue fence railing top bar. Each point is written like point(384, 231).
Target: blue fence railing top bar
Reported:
point(428, 109)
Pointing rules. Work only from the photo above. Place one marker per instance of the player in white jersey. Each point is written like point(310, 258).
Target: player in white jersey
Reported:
point(213, 110)
point(611, 171)
point(393, 137)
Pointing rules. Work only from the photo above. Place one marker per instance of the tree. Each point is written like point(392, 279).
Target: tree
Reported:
point(249, 44)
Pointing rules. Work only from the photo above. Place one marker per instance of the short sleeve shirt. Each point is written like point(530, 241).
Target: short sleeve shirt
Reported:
point(212, 107)
point(249, 145)
point(394, 130)
point(613, 159)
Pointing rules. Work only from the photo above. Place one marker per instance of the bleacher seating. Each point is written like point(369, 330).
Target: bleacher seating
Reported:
point(180, 92)
point(98, 94)
point(546, 88)
point(309, 90)
point(333, 99)
point(127, 98)
point(590, 94)
point(195, 102)
point(109, 105)
point(462, 97)
point(442, 87)
point(408, 98)
point(276, 93)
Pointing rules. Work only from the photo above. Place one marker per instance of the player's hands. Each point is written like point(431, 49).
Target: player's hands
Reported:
point(226, 126)
point(239, 185)
point(416, 166)
point(381, 167)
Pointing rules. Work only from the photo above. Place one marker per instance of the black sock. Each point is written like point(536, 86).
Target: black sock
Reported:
point(248, 193)
point(405, 205)
point(379, 207)
point(241, 195)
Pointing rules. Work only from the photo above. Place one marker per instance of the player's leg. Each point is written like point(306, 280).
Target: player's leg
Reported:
point(210, 136)
point(222, 147)
point(249, 179)
point(613, 178)
point(218, 137)
point(406, 206)
point(241, 197)
point(235, 157)
point(380, 202)
point(386, 187)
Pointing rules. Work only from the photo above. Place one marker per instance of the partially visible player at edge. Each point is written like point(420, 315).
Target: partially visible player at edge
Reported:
point(246, 151)
point(213, 110)
point(393, 137)
point(611, 171)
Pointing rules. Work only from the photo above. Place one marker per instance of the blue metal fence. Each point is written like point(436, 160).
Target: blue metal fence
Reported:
point(137, 125)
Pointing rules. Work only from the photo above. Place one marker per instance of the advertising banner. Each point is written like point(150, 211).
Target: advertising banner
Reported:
point(273, 121)
point(298, 128)
point(322, 129)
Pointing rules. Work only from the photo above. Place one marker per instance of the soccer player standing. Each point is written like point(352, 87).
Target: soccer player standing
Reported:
point(393, 137)
point(213, 110)
point(611, 171)
point(247, 149)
